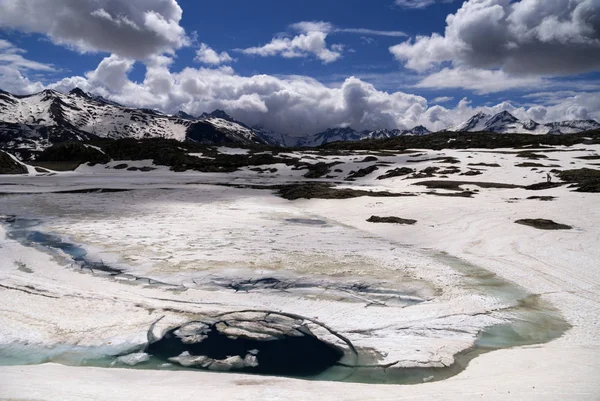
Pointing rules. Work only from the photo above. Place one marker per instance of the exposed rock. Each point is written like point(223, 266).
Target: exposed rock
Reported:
point(390, 219)
point(397, 172)
point(530, 164)
point(363, 172)
point(472, 173)
point(585, 179)
point(543, 185)
point(318, 190)
point(10, 166)
point(425, 173)
point(456, 185)
point(484, 164)
point(543, 224)
point(531, 155)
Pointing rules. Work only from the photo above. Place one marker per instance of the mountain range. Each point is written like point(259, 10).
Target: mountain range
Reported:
point(34, 122)
point(506, 123)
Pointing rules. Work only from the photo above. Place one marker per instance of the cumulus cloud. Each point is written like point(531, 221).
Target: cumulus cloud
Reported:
point(13, 81)
point(134, 29)
point(443, 99)
point(311, 41)
point(13, 65)
point(299, 105)
point(207, 55)
point(111, 73)
point(526, 37)
point(303, 45)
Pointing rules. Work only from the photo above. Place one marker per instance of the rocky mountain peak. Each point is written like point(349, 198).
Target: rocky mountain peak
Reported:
point(80, 93)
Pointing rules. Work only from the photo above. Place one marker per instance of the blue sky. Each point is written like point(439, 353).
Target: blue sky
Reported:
point(272, 63)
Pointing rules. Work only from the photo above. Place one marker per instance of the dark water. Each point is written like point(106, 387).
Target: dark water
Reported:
point(54, 243)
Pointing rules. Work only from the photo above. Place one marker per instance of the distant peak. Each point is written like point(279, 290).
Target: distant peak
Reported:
point(218, 113)
point(184, 116)
point(341, 129)
point(530, 124)
point(79, 92)
point(49, 92)
point(419, 129)
point(502, 117)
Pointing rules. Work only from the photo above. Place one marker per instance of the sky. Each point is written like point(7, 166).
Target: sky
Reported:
point(300, 67)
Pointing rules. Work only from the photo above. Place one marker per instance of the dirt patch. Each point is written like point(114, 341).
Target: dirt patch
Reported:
point(472, 173)
point(463, 194)
point(584, 179)
point(363, 172)
point(531, 155)
point(451, 160)
point(542, 198)
point(456, 185)
point(398, 172)
point(318, 190)
point(543, 185)
point(391, 219)
point(531, 164)
point(425, 173)
point(484, 164)
point(543, 224)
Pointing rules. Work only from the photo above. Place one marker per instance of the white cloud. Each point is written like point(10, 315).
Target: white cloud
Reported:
point(312, 26)
point(419, 4)
point(443, 99)
point(11, 56)
point(207, 55)
point(478, 80)
point(311, 41)
point(371, 32)
point(134, 29)
point(300, 105)
point(527, 37)
point(303, 45)
point(13, 81)
point(327, 27)
point(111, 73)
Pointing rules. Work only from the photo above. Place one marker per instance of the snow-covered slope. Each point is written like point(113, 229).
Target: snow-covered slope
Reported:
point(506, 123)
point(37, 121)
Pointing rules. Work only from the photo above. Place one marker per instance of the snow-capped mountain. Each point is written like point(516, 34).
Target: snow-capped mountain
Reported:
point(349, 134)
point(506, 123)
point(34, 122)
point(37, 121)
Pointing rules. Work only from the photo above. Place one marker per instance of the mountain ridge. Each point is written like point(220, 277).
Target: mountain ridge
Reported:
point(506, 123)
point(34, 122)
point(31, 123)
